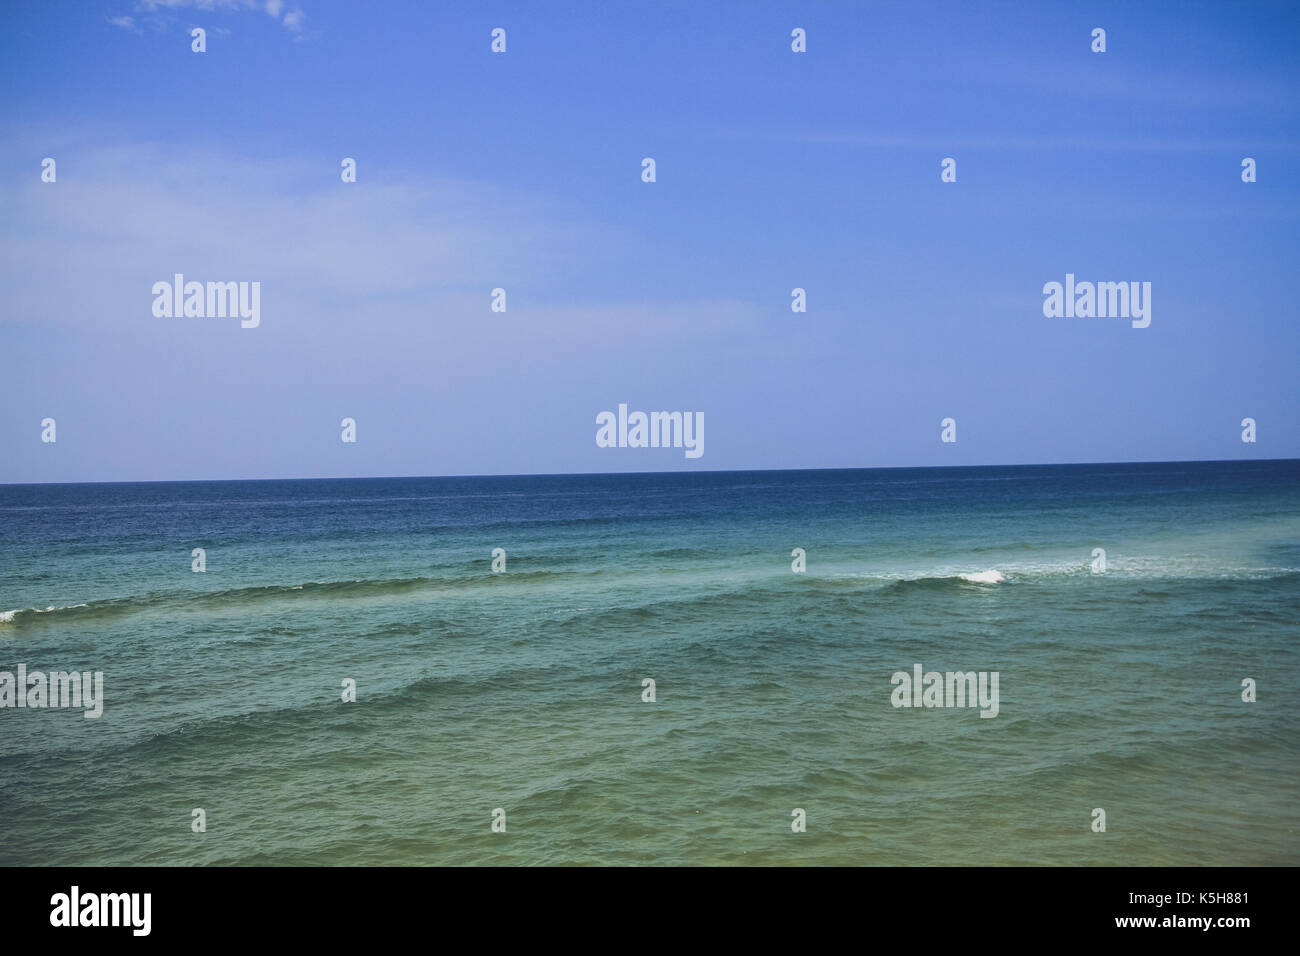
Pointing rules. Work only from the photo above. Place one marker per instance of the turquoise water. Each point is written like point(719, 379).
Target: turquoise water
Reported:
point(523, 690)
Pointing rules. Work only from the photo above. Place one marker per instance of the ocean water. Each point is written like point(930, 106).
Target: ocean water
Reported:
point(522, 690)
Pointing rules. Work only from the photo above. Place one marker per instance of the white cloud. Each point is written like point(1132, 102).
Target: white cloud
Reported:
point(293, 20)
point(135, 214)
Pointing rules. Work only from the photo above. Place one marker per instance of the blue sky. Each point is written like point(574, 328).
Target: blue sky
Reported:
point(522, 170)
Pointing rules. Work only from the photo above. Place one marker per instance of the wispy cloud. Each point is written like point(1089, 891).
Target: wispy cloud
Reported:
point(145, 208)
point(407, 246)
point(153, 12)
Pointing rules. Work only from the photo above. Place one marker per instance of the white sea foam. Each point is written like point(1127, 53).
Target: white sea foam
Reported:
point(7, 617)
point(983, 577)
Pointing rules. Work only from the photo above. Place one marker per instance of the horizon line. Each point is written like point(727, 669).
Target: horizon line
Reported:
point(630, 474)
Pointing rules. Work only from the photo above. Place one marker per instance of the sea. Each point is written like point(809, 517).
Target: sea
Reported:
point(695, 668)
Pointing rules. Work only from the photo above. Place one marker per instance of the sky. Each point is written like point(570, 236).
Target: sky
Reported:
point(522, 170)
